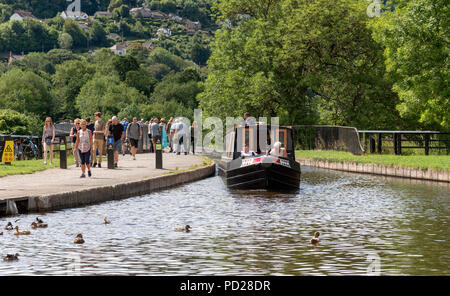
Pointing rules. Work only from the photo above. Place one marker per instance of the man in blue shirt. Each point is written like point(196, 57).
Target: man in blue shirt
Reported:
point(125, 123)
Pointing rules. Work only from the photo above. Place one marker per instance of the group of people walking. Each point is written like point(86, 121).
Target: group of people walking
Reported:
point(88, 138)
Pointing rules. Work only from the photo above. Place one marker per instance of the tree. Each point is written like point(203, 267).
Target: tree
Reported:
point(416, 41)
point(265, 63)
point(65, 41)
point(97, 35)
point(68, 80)
point(16, 123)
point(142, 80)
point(124, 64)
point(108, 95)
point(72, 28)
point(200, 54)
point(25, 92)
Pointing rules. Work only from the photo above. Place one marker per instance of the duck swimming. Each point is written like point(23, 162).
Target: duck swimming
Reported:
point(23, 232)
point(35, 225)
point(11, 257)
point(9, 226)
point(187, 228)
point(315, 240)
point(79, 239)
point(106, 221)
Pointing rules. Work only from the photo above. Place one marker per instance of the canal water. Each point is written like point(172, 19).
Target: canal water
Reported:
point(368, 225)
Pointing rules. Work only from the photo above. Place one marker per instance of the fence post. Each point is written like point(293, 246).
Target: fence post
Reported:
point(380, 143)
point(399, 146)
point(427, 144)
point(372, 144)
point(395, 144)
point(62, 153)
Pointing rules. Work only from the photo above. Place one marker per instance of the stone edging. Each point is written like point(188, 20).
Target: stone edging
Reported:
point(114, 192)
point(376, 169)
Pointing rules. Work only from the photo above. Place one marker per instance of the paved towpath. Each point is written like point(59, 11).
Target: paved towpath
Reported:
point(57, 180)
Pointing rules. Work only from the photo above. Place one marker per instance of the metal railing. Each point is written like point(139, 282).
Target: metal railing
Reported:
point(426, 140)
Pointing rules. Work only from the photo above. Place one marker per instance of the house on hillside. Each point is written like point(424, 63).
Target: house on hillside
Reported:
point(164, 31)
point(148, 45)
point(113, 36)
point(141, 12)
point(175, 17)
point(102, 14)
point(21, 15)
point(193, 26)
point(74, 15)
point(158, 14)
point(14, 57)
point(119, 49)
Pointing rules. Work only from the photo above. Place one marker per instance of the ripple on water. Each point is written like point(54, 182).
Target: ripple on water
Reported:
point(405, 224)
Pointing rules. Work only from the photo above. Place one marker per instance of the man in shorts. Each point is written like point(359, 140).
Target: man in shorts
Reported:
point(117, 131)
point(134, 134)
point(155, 133)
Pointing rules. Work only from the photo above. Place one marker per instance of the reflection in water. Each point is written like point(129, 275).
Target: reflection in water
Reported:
point(405, 224)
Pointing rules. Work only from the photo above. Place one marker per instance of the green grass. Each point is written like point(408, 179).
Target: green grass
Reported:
point(30, 166)
point(206, 162)
point(436, 162)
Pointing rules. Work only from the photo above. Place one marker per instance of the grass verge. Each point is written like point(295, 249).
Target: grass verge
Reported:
point(206, 162)
point(435, 162)
point(30, 166)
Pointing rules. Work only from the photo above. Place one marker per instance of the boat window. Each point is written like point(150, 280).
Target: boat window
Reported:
point(249, 138)
point(230, 144)
point(280, 135)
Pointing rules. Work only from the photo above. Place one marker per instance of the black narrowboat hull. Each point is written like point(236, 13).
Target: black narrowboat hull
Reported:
point(260, 172)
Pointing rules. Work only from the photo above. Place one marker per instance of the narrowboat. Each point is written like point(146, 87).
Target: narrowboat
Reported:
point(260, 156)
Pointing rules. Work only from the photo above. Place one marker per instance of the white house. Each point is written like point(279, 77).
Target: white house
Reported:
point(20, 15)
point(175, 17)
point(74, 15)
point(164, 31)
point(119, 49)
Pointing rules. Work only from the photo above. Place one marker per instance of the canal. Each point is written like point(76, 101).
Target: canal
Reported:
point(367, 223)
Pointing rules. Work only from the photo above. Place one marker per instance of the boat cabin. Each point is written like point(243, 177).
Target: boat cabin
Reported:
point(260, 138)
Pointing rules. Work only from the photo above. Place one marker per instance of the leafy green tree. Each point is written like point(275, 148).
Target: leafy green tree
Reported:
point(36, 61)
point(79, 38)
point(108, 95)
point(5, 12)
point(16, 123)
point(416, 41)
point(142, 80)
point(25, 92)
point(124, 64)
point(97, 35)
point(265, 63)
point(65, 41)
point(68, 80)
point(200, 54)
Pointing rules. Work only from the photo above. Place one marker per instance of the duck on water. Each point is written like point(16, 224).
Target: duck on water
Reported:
point(260, 156)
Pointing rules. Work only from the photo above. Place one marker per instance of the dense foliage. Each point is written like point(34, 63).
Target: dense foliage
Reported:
point(308, 62)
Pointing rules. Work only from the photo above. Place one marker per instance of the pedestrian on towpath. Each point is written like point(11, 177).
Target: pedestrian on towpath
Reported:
point(73, 135)
point(125, 124)
point(134, 134)
point(117, 131)
point(48, 139)
point(99, 139)
point(156, 136)
point(84, 145)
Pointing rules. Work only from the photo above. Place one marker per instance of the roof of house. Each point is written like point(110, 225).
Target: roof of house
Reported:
point(102, 13)
point(118, 47)
point(23, 13)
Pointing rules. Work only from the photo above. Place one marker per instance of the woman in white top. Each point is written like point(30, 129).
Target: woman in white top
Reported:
point(278, 151)
point(84, 144)
point(48, 138)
